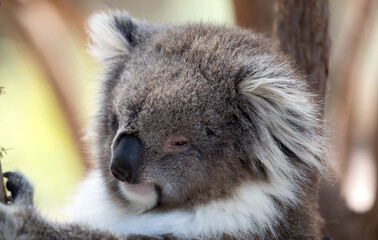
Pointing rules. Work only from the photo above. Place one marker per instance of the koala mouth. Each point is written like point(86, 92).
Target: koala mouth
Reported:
point(140, 189)
point(143, 196)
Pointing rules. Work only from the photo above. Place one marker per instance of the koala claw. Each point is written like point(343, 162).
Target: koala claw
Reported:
point(20, 187)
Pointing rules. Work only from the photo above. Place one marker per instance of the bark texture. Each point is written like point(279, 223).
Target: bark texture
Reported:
point(302, 29)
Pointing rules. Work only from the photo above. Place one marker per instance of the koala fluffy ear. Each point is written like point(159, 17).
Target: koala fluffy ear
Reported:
point(111, 34)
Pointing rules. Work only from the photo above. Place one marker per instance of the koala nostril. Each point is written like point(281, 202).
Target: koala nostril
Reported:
point(129, 179)
point(126, 159)
point(118, 176)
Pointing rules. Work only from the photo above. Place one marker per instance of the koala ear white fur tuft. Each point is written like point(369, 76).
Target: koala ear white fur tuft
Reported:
point(110, 34)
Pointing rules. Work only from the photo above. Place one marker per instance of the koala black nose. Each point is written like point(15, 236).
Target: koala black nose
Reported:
point(126, 159)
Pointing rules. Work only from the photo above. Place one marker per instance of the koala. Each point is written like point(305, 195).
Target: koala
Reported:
point(203, 132)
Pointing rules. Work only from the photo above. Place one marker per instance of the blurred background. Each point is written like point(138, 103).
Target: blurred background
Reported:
point(48, 87)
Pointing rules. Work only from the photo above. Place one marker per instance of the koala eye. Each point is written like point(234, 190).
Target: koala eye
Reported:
point(180, 144)
point(176, 144)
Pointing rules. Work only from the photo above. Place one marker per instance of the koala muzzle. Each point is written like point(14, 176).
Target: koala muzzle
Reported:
point(126, 159)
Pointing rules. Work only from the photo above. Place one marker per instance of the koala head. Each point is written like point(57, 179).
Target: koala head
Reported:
point(190, 113)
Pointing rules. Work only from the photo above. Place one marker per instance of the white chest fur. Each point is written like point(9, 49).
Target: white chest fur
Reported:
point(251, 210)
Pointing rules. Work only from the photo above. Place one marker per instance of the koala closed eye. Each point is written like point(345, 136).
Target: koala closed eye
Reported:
point(176, 144)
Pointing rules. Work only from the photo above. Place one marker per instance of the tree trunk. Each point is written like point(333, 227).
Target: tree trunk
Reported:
point(302, 29)
point(254, 14)
point(301, 26)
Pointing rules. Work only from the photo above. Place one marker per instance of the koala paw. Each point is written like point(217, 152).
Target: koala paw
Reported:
point(20, 187)
point(19, 214)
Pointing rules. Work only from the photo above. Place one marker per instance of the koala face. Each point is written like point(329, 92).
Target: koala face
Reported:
point(190, 113)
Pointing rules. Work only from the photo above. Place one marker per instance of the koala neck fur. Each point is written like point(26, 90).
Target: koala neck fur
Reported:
point(251, 210)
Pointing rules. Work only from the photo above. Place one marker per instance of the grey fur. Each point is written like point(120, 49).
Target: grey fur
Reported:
point(253, 128)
